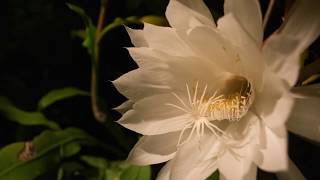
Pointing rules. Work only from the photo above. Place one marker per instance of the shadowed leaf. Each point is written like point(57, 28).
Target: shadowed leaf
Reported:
point(24, 117)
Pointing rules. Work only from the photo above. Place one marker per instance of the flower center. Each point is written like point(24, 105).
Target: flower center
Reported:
point(230, 103)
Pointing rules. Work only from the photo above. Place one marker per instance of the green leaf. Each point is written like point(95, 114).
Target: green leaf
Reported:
point(24, 117)
point(60, 94)
point(47, 153)
point(116, 23)
point(97, 162)
point(214, 176)
point(136, 173)
point(89, 41)
point(87, 20)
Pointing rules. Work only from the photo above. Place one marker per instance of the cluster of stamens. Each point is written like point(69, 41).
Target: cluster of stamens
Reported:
point(231, 104)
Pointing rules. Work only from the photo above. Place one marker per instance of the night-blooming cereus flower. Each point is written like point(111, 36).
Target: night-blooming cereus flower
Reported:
point(212, 97)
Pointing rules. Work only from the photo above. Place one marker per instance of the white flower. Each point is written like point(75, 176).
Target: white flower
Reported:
point(209, 96)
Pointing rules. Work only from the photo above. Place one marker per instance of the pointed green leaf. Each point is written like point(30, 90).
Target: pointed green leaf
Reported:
point(136, 173)
point(89, 41)
point(24, 117)
point(60, 94)
point(87, 20)
point(46, 153)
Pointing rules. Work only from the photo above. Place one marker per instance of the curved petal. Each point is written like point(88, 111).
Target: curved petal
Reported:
point(307, 91)
point(304, 119)
point(236, 161)
point(189, 162)
point(282, 50)
point(249, 15)
point(154, 149)
point(165, 39)
point(138, 83)
point(231, 168)
point(209, 44)
point(137, 37)
point(249, 53)
point(274, 146)
point(293, 173)
point(124, 107)
point(152, 115)
point(273, 103)
point(181, 14)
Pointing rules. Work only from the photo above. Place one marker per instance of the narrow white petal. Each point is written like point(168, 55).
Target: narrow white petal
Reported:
point(273, 103)
point(234, 171)
point(165, 39)
point(154, 149)
point(293, 173)
point(248, 52)
point(138, 83)
point(152, 115)
point(209, 44)
point(273, 155)
point(124, 107)
point(282, 50)
point(189, 161)
point(304, 119)
point(249, 15)
point(137, 38)
point(135, 122)
point(182, 13)
point(307, 91)
point(147, 58)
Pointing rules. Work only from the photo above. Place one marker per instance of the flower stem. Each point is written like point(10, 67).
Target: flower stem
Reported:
point(268, 13)
point(98, 113)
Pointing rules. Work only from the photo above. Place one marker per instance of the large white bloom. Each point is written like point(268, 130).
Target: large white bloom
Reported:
point(210, 97)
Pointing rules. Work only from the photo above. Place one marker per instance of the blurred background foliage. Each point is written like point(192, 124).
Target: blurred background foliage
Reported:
point(47, 51)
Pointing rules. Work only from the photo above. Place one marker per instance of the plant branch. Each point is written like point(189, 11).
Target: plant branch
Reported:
point(98, 113)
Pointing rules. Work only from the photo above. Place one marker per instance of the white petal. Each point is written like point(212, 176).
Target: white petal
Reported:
point(154, 149)
point(307, 91)
point(148, 58)
point(282, 50)
point(151, 116)
point(249, 15)
point(304, 14)
point(273, 155)
point(248, 53)
point(189, 160)
point(232, 169)
point(141, 83)
point(137, 38)
point(209, 44)
point(236, 161)
point(304, 119)
point(124, 107)
point(182, 13)
point(273, 103)
point(293, 173)
point(165, 39)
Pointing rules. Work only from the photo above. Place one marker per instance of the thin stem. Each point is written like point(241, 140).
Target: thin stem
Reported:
point(98, 113)
point(268, 13)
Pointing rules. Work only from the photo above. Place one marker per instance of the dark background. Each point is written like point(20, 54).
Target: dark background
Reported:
point(38, 54)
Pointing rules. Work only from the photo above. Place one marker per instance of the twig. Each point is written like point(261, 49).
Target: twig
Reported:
point(268, 13)
point(98, 113)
